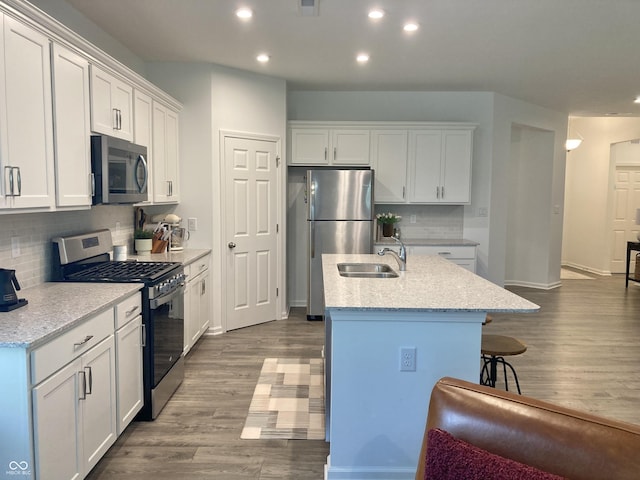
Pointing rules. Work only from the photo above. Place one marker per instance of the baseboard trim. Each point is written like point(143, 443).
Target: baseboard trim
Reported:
point(605, 273)
point(539, 286)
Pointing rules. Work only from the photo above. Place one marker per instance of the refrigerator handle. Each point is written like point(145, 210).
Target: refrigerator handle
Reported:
point(311, 194)
point(312, 239)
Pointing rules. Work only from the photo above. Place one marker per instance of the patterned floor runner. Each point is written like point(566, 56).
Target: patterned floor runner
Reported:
point(288, 402)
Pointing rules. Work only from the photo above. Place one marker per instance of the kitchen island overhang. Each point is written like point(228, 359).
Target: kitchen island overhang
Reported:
point(376, 412)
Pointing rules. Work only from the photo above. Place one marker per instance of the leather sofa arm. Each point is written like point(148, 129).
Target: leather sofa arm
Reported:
point(551, 438)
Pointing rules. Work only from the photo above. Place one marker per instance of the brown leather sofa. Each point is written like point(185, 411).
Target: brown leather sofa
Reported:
point(566, 442)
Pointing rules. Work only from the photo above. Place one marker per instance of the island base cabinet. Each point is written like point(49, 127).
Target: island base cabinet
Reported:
point(75, 415)
point(376, 411)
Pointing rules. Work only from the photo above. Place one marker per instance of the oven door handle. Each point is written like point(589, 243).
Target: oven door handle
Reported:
point(157, 302)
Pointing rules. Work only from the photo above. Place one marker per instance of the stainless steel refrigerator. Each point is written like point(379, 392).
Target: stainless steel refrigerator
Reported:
point(340, 220)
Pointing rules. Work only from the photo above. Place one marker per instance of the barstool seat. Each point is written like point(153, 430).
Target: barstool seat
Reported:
point(494, 348)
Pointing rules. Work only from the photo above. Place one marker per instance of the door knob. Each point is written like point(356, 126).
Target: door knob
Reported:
point(232, 245)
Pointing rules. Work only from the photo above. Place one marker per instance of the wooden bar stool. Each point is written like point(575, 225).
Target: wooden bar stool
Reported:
point(494, 348)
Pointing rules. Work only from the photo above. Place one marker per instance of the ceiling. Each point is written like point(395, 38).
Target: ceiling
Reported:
point(576, 56)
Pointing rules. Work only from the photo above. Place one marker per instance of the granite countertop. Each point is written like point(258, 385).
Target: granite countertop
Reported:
point(54, 308)
point(428, 242)
point(430, 283)
point(185, 257)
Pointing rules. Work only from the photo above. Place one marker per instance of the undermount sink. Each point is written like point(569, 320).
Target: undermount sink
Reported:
point(366, 270)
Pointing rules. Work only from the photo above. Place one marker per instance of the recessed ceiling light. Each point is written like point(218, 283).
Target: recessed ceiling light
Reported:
point(637, 100)
point(410, 27)
point(263, 58)
point(244, 13)
point(376, 14)
point(362, 58)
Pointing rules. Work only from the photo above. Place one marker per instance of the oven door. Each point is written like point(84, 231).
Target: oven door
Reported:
point(166, 325)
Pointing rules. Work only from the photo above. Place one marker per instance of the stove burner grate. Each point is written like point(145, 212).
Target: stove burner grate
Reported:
point(122, 271)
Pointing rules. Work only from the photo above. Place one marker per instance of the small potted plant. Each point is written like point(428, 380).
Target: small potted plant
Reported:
point(143, 240)
point(388, 220)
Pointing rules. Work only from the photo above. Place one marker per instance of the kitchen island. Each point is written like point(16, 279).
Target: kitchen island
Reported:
point(388, 340)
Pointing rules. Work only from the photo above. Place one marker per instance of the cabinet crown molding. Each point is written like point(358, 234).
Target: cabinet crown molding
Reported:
point(381, 124)
point(60, 33)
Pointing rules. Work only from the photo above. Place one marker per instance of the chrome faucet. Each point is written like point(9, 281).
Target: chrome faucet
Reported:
point(401, 256)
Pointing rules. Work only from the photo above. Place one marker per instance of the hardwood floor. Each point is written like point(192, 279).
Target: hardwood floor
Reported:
point(583, 352)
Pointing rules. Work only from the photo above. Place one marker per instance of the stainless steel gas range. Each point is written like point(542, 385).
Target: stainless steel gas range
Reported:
point(85, 258)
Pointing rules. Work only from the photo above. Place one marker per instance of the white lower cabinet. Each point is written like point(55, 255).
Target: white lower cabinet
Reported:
point(129, 372)
point(75, 414)
point(87, 389)
point(197, 298)
point(462, 255)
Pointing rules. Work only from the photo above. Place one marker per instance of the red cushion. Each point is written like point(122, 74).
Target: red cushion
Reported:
point(449, 458)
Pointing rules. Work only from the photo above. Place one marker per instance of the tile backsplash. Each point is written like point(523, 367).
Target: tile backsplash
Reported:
point(34, 231)
point(432, 221)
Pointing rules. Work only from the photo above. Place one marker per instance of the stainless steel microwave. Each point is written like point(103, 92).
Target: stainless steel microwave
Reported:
point(120, 170)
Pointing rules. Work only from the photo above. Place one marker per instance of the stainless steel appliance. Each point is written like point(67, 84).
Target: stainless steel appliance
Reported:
point(85, 258)
point(120, 172)
point(340, 220)
point(8, 297)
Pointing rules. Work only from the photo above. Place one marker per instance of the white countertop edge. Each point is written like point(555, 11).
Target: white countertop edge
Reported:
point(431, 310)
point(36, 323)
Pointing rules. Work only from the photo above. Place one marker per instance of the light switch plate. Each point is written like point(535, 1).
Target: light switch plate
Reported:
point(193, 224)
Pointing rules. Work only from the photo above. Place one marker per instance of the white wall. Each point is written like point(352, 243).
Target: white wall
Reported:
point(509, 112)
point(529, 237)
point(217, 98)
point(76, 21)
point(587, 226)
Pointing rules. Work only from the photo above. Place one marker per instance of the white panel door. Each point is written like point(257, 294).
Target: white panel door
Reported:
point(626, 199)
point(250, 228)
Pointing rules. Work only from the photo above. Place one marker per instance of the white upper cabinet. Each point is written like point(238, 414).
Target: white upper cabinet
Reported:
point(389, 161)
point(72, 128)
point(26, 118)
point(329, 146)
point(142, 131)
point(440, 166)
point(164, 159)
point(111, 105)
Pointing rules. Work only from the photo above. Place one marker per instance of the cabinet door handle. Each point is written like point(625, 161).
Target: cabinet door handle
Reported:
point(86, 339)
point(437, 192)
point(128, 313)
point(203, 287)
point(444, 253)
point(325, 153)
point(442, 191)
point(83, 395)
point(143, 331)
point(19, 180)
point(88, 392)
point(115, 118)
point(335, 153)
point(92, 184)
point(403, 193)
point(9, 173)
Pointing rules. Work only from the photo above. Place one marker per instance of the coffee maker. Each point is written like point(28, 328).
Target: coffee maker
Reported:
point(8, 297)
